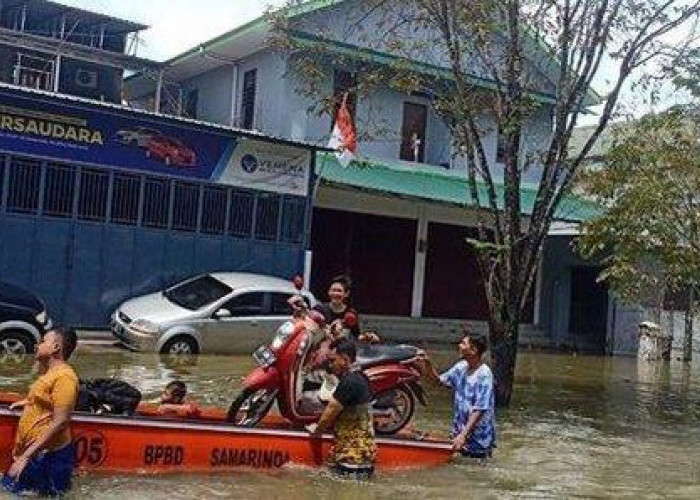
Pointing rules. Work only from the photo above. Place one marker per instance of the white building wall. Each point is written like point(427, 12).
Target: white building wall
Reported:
point(271, 96)
point(214, 94)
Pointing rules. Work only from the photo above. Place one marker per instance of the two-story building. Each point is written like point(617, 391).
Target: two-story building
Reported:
point(396, 223)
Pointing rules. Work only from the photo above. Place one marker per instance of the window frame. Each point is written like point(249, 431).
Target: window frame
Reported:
point(405, 125)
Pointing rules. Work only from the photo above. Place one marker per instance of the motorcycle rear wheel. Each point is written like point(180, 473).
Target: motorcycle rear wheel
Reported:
point(401, 403)
point(253, 404)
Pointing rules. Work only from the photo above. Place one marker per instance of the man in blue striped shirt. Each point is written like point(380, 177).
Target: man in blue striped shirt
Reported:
point(473, 426)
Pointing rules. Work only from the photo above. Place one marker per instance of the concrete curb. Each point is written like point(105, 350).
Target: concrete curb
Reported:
point(95, 335)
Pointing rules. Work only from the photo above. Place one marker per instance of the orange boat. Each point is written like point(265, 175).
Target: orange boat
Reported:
point(155, 445)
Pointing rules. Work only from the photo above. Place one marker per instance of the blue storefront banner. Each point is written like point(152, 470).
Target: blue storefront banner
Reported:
point(62, 129)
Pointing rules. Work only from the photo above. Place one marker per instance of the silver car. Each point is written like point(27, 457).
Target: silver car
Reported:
point(212, 313)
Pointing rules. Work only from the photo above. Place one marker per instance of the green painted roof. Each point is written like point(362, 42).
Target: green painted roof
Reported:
point(427, 183)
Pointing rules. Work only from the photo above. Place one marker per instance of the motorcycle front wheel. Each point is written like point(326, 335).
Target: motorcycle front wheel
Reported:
point(250, 407)
point(393, 409)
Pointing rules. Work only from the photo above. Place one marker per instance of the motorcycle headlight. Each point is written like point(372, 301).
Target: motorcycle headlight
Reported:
point(283, 333)
point(145, 326)
point(41, 317)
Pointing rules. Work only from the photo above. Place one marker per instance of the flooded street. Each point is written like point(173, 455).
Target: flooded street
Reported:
point(579, 426)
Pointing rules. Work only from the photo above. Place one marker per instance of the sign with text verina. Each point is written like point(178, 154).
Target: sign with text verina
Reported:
point(269, 167)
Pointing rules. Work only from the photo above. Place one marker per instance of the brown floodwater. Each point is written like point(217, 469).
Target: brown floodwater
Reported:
point(579, 426)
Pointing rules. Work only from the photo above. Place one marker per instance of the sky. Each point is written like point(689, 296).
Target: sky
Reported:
point(178, 25)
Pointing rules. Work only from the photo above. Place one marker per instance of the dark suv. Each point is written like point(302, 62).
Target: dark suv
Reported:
point(23, 320)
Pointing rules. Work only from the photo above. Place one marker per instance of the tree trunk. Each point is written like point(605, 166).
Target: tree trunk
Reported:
point(504, 351)
point(688, 330)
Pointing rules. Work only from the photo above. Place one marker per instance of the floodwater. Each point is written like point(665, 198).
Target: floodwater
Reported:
point(579, 426)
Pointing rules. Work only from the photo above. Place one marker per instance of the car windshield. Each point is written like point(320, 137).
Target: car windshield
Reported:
point(198, 292)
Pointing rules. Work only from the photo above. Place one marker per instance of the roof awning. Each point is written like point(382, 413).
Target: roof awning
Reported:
point(420, 181)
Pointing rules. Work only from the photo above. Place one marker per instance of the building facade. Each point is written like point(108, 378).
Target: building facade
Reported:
point(398, 223)
point(100, 202)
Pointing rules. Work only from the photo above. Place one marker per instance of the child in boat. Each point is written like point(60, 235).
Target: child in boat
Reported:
point(172, 401)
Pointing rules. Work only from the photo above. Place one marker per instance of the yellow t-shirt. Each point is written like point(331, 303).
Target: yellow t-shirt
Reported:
point(57, 388)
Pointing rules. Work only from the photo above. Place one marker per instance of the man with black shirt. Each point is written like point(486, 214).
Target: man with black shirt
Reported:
point(348, 413)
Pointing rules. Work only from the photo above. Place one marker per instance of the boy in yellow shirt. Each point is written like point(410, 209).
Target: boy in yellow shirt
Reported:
point(43, 457)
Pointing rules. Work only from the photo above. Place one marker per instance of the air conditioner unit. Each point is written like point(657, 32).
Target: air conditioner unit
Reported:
point(86, 78)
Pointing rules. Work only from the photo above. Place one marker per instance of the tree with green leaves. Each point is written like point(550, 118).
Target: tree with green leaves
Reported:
point(648, 237)
point(493, 65)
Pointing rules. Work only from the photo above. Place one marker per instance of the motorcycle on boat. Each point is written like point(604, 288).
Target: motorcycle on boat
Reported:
point(392, 372)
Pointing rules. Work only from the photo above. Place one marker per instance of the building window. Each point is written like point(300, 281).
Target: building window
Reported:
point(344, 83)
point(266, 216)
point(58, 190)
point(248, 100)
point(186, 206)
point(413, 132)
point(293, 211)
point(190, 105)
point(156, 202)
point(92, 198)
point(500, 146)
point(241, 222)
point(125, 199)
point(214, 210)
point(23, 186)
point(34, 72)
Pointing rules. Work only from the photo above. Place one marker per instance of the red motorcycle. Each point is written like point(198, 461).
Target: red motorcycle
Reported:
point(393, 375)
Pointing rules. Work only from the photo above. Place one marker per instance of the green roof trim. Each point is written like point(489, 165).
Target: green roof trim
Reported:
point(427, 183)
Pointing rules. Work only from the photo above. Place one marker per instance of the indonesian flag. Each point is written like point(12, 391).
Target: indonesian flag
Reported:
point(344, 138)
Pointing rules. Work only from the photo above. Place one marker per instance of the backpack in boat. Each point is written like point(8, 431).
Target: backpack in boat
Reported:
point(106, 395)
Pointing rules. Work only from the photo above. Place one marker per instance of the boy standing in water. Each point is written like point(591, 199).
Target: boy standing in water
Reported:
point(473, 426)
point(43, 457)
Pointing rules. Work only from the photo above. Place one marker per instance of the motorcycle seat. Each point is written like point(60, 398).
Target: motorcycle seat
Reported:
point(370, 355)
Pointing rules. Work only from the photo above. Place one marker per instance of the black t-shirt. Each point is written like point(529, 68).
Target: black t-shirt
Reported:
point(332, 316)
point(353, 389)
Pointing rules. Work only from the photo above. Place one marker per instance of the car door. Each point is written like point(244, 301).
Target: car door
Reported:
point(279, 310)
point(240, 331)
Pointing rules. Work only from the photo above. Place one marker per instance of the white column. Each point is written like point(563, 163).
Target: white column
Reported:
point(234, 95)
point(419, 264)
point(538, 294)
point(57, 73)
point(159, 90)
point(308, 256)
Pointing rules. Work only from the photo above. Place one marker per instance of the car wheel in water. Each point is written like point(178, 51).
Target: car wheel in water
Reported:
point(15, 346)
point(180, 346)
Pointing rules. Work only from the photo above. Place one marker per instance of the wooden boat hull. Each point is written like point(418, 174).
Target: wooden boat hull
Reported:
point(111, 444)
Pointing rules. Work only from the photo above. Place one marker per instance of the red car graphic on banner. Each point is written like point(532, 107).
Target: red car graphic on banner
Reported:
point(170, 151)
